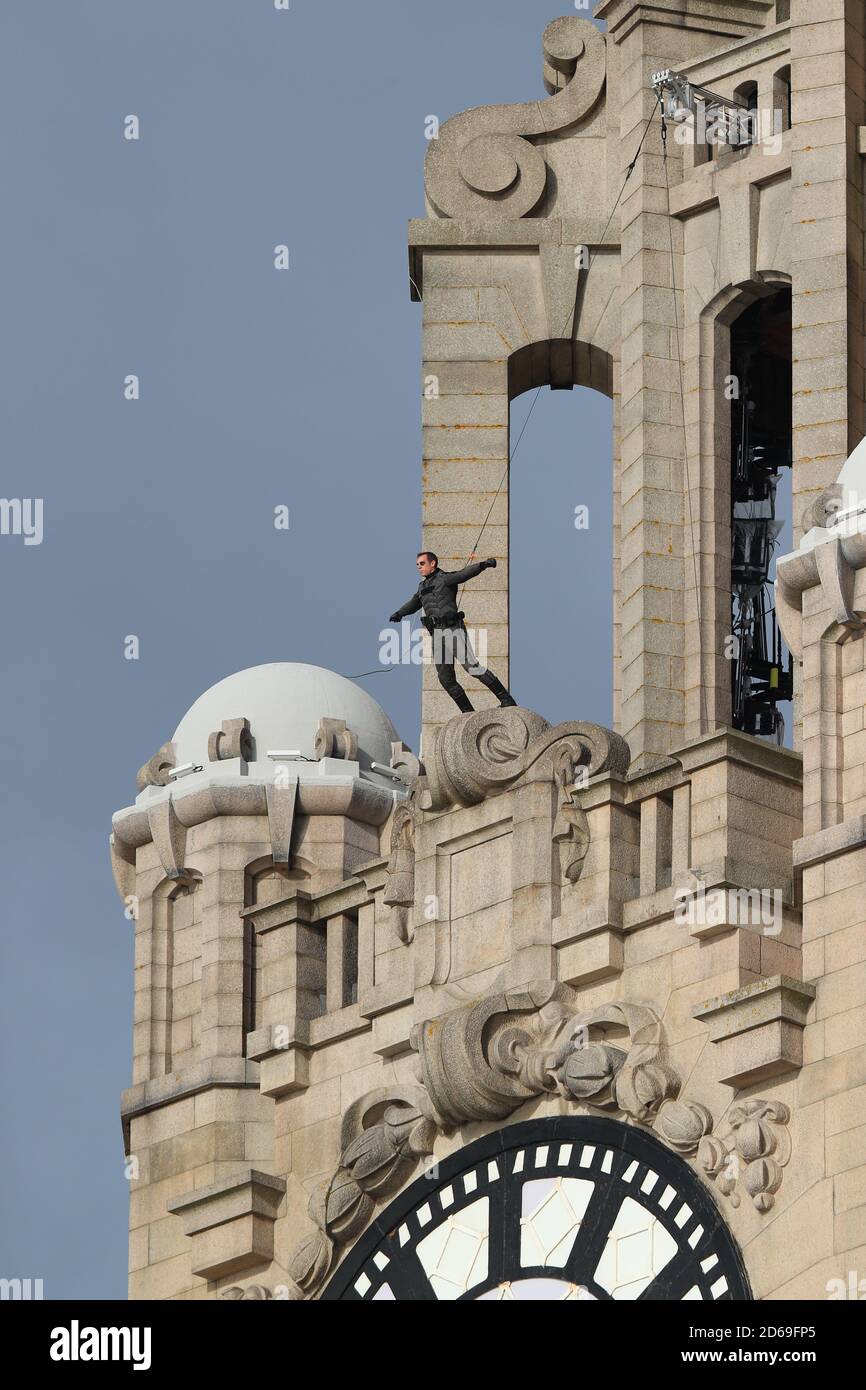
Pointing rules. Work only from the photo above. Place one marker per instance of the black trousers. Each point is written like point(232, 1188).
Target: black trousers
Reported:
point(450, 645)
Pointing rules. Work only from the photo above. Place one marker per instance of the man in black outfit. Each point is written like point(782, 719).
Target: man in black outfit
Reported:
point(437, 596)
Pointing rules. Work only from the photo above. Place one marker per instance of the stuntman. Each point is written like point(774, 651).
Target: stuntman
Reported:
point(437, 596)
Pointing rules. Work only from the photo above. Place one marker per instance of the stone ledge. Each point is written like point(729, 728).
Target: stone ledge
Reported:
point(731, 745)
point(827, 844)
point(225, 1072)
point(758, 1029)
point(589, 959)
point(739, 874)
point(651, 907)
point(586, 921)
point(231, 1223)
point(589, 943)
point(382, 998)
point(451, 234)
point(716, 908)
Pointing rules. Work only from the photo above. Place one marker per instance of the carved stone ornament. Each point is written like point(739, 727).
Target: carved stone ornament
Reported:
point(382, 1137)
point(334, 740)
point(483, 166)
point(831, 551)
point(233, 740)
point(155, 772)
point(753, 1153)
point(476, 755)
point(484, 1060)
point(571, 827)
point(399, 891)
point(237, 1293)
point(405, 763)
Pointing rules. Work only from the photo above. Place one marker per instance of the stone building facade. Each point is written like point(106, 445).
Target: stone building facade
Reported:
point(542, 1011)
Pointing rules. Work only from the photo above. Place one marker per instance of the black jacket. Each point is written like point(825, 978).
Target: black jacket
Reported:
point(437, 595)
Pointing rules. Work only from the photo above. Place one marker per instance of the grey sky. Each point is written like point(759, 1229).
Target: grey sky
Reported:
point(257, 388)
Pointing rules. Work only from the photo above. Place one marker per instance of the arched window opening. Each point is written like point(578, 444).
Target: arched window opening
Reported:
point(560, 527)
point(761, 460)
point(782, 95)
point(175, 1003)
point(746, 132)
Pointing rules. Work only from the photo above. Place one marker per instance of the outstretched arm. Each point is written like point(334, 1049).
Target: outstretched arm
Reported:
point(460, 576)
point(412, 606)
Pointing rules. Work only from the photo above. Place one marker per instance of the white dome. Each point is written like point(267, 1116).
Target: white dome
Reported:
point(284, 702)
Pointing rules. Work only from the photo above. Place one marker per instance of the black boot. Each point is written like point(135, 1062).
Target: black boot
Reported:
point(461, 699)
point(495, 686)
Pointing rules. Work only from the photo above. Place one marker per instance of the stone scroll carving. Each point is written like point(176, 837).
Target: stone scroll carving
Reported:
point(483, 165)
point(484, 1060)
point(335, 740)
point(474, 756)
point(232, 740)
point(405, 763)
point(155, 772)
point(752, 1154)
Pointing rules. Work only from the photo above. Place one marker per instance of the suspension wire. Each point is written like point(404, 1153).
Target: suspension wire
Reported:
point(705, 723)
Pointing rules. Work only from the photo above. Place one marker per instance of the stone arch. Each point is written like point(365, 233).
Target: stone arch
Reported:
point(560, 363)
point(563, 364)
point(173, 953)
point(498, 322)
point(708, 517)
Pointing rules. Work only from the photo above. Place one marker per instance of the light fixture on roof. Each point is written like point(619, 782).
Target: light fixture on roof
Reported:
point(185, 770)
point(386, 771)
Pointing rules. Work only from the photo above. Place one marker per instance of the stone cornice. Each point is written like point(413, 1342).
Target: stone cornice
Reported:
point(212, 1073)
point(717, 17)
point(828, 557)
point(335, 796)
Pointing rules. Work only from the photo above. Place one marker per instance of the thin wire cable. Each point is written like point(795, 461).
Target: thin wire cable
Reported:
point(705, 723)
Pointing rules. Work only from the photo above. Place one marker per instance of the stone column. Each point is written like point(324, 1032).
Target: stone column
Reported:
point(464, 473)
point(821, 591)
point(653, 420)
point(829, 108)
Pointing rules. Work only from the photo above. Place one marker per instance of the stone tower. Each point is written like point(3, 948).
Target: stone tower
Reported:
point(559, 1012)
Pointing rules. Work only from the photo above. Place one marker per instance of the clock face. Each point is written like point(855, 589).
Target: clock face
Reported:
point(571, 1208)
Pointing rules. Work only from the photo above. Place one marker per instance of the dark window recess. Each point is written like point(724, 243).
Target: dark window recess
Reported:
point(746, 132)
point(762, 671)
point(782, 95)
point(350, 960)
